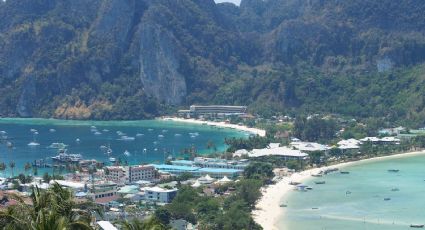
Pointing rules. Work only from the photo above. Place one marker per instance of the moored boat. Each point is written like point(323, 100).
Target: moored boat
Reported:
point(320, 182)
point(393, 170)
point(416, 225)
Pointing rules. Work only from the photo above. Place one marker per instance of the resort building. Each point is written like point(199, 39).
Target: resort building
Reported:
point(130, 174)
point(213, 110)
point(308, 146)
point(198, 171)
point(283, 152)
point(204, 162)
point(160, 195)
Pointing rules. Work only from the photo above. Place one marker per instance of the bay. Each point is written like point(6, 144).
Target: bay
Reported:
point(154, 140)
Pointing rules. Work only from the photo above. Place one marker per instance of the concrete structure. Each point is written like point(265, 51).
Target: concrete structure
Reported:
point(160, 195)
point(130, 174)
point(213, 110)
point(106, 225)
point(103, 193)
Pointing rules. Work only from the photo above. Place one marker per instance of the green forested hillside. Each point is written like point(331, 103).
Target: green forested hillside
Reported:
point(133, 59)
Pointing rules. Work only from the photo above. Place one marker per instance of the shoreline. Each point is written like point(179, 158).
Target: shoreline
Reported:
point(268, 212)
point(259, 132)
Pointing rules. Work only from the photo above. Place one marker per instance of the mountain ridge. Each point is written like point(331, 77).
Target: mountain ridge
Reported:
point(137, 59)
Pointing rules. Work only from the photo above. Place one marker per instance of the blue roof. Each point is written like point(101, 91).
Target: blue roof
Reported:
point(219, 170)
point(183, 162)
point(175, 167)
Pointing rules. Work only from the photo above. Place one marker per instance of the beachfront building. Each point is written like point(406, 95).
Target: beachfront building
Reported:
point(160, 195)
point(213, 111)
point(384, 140)
point(308, 146)
point(205, 162)
point(198, 171)
point(283, 152)
point(130, 174)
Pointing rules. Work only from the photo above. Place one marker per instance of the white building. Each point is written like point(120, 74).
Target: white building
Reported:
point(308, 146)
point(160, 195)
point(130, 174)
point(284, 152)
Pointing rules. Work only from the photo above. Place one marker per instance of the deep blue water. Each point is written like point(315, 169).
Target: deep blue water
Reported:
point(160, 139)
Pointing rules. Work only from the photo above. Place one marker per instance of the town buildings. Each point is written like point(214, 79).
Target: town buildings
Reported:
point(130, 174)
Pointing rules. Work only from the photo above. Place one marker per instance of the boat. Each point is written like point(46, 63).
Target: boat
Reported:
point(150, 130)
point(127, 153)
point(416, 225)
point(387, 199)
point(309, 188)
point(345, 172)
point(52, 130)
point(120, 133)
point(283, 205)
point(57, 145)
point(317, 175)
point(105, 130)
point(320, 182)
point(97, 133)
point(395, 189)
point(294, 183)
point(33, 143)
point(9, 144)
point(127, 138)
point(103, 147)
point(347, 192)
point(77, 140)
point(33, 130)
point(160, 136)
point(112, 159)
point(145, 150)
point(177, 135)
point(139, 134)
point(329, 170)
point(35, 133)
point(155, 149)
point(3, 132)
point(393, 170)
point(67, 158)
point(164, 131)
point(314, 208)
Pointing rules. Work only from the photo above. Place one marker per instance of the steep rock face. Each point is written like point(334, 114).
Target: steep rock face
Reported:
point(159, 64)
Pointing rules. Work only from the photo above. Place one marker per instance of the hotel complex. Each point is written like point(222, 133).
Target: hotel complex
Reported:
point(213, 110)
point(129, 174)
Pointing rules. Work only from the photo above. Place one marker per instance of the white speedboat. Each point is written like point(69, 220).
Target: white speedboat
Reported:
point(52, 130)
point(160, 136)
point(127, 153)
point(127, 138)
point(57, 145)
point(97, 133)
point(112, 159)
point(33, 143)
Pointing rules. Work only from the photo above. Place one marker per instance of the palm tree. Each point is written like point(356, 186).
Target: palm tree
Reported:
point(51, 209)
point(3, 167)
point(12, 165)
point(149, 224)
point(27, 167)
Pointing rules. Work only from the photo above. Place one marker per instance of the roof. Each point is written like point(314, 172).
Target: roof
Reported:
point(218, 170)
point(174, 167)
point(280, 151)
point(349, 144)
point(158, 189)
point(129, 189)
point(70, 184)
point(186, 162)
point(309, 146)
point(106, 225)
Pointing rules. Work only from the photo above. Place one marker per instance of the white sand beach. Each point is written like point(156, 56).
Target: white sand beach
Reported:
point(255, 131)
point(268, 211)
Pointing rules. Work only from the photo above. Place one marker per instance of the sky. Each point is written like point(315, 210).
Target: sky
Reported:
point(236, 2)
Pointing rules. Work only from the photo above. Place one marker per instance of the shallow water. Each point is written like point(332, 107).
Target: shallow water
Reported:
point(364, 208)
point(160, 139)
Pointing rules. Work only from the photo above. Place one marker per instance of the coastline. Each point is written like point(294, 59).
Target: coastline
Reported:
point(259, 132)
point(268, 211)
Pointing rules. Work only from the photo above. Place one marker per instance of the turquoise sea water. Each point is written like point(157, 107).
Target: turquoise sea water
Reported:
point(159, 138)
point(328, 206)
